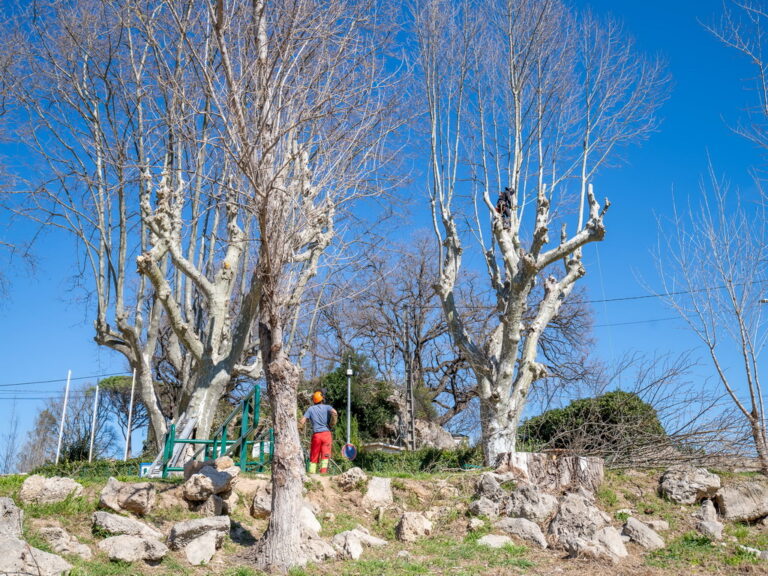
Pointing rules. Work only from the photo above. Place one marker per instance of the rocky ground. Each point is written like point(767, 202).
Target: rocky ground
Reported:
point(679, 521)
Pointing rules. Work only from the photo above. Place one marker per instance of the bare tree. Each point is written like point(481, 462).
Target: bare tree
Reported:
point(10, 443)
point(522, 98)
point(712, 265)
point(115, 396)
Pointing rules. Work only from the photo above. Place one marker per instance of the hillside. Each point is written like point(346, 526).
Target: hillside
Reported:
point(451, 547)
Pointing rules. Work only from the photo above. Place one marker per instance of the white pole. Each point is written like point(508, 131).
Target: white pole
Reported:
point(63, 415)
point(130, 415)
point(349, 399)
point(93, 421)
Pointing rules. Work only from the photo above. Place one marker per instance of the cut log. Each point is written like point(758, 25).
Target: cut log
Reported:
point(553, 472)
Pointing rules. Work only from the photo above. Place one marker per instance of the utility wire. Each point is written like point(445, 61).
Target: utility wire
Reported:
point(30, 383)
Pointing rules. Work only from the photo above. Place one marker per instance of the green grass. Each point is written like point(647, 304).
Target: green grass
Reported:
point(693, 549)
point(71, 506)
point(607, 497)
point(341, 523)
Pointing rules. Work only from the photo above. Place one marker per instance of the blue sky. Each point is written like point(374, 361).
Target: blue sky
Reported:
point(44, 333)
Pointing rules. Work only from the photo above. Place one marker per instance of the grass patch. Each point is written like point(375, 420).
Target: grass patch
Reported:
point(446, 555)
point(96, 568)
point(71, 506)
point(341, 523)
point(607, 497)
point(691, 548)
point(11, 485)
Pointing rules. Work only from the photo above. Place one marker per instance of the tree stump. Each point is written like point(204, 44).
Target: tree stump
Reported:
point(553, 472)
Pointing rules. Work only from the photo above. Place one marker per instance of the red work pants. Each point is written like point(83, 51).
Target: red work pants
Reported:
point(320, 451)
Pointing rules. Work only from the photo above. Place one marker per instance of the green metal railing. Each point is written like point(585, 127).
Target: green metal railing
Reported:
point(220, 444)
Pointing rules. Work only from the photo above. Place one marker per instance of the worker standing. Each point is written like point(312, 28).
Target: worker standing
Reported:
point(323, 418)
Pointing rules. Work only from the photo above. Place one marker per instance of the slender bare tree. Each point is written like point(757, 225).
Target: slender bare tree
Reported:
point(523, 99)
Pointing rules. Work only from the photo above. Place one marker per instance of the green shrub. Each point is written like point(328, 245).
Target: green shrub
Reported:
point(424, 460)
point(611, 424)
point(85, 469)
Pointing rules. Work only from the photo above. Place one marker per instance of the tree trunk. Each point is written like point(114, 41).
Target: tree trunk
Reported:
point(205, 398)
point(554, 472)
point(498, 428)
point(148, 396)
point(758, 435)
point(280, 547)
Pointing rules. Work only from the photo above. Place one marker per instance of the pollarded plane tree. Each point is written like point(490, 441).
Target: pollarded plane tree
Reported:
point(524, 101)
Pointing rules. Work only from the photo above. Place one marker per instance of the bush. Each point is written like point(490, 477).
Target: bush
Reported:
point(612, 424)
point(85, 469)
point(424, 460)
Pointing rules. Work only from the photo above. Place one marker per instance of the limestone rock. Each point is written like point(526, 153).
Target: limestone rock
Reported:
point(553, 473)
point(224, 463)
point(192, 467)
point(524, 529)
point(743, 502)
point(658, 525)
point(62, 542)
point(379, 493)
point(350, 543)
point(11, 518)
point(712, 530)
point(228, 502)
point(351, 479)
point(688, 485)
point(484, 507)
point(412, 526)
point(133, 548)
point(261, 507)
point(528, 502)
point(707, 513)
point(642, 534)
point(40, 490)
point(494, 541)
point(185, 532)
point(310, 527)
point(475, 524)
point(117, 525)
point(138, 498)
point(488, 487)
point(317, 550)
point(214, 506)
point(583, 530)
point(201, 549)
point(18, 557)
point(209, 481)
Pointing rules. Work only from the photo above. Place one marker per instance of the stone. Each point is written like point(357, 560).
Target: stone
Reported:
point(40, 490)
point(528, 502)
point(475, 524)
point(138, 498)
point(62, 542)
point(11, 518)
point(128, 548)
point(522, 528)
point(228, 502)
point(192, 467)
point(18, 557)
point(552, 472)
point(707, 512)
point(224, 462)
point(488, 487)
point(584, 530)
point(117, 525)
point(412, 526)
point(760, 554)
point(183, 533)
point(352, 479)
point(712, 530)
point(209, 481)
point(687, 484)
point(317, 550)
point(214, 506)
point(261, 507)
point(642, 534)
point(348, 545)
point(484, 507)
point(201, 549)
point(743, 502)
point(379, 493)
point(658, 525)
point(494, 541)
point(310, 527)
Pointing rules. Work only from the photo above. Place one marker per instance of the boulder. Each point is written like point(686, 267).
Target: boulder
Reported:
point(351, 479)
point(317, 550)
point(379, 493)
point(606, 544)
point(214, 506)
point(712, 530)
point(484, 507)
point(62, 542)
point(524, 529)
point(475, 524)
point(488, 487)
point(201, 549)
point(494, 541)
point(40, 490)
point(707, 512)
point(192, 467)
point(224, 463)
point(209, 481)
point(185, 532)
point(117, 525)
point(658, 525)
point(688, 485)
point(528, 502)
point(11, 518)
point(18, 557)
point(261, 507)
point(310, 527)
point(642, 534)
point(743, 502)
point(348, 545)
point(128, 548)
point(552, 472)
point(228, 502)
point(412, 526)
point(138, 498)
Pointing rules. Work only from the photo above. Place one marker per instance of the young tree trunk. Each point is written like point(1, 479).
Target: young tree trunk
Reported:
point(758, 435)
point(280, 547)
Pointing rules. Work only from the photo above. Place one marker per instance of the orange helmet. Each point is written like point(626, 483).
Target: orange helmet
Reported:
point(317, 397)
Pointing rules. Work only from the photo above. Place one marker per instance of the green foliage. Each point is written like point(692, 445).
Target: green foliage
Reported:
point(96, 469)
point(609, 424)
point(68, 507)
point(424, 460)
point(370, 406)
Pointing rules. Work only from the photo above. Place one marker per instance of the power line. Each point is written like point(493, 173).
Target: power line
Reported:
point(31, 383)
point(647, 321)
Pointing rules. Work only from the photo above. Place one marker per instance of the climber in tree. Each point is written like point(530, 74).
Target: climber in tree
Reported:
point(504, 206)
